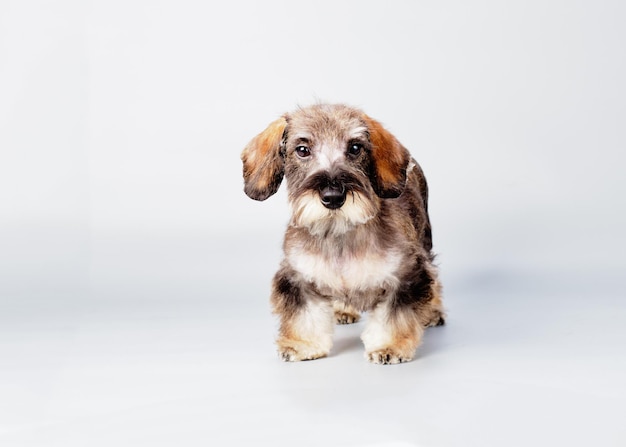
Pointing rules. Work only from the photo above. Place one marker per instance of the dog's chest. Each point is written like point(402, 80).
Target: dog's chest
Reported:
point(346, 272)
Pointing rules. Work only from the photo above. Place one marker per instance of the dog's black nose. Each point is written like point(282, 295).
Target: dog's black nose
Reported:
point(333, 196)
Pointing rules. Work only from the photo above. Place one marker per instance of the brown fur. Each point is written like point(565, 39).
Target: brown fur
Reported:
point(369, 251)
point(390, 160)
point(263, 163)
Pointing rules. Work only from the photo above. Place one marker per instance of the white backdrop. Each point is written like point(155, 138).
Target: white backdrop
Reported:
point(129, 117)
point(121, 125)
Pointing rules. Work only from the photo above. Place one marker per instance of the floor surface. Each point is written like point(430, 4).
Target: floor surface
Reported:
point(139, 354)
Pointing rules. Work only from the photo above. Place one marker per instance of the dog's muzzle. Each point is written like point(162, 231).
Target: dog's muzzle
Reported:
point(333, 196)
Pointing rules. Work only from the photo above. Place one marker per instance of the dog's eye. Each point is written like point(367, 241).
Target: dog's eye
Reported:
point(303, 151)
point(354, 149)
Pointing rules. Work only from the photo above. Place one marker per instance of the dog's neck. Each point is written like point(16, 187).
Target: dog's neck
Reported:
point(335, 238)
point(331, 229)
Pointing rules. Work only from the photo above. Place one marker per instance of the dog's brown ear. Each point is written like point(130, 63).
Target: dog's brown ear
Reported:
point(263, 161)
point(389, 161)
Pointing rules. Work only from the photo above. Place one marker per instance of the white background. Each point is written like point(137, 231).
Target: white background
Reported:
point(134, 272)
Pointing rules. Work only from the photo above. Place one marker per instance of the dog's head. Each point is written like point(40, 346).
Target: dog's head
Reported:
point(338, 163)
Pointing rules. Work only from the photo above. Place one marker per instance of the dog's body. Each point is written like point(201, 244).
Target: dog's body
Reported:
point(359, 238)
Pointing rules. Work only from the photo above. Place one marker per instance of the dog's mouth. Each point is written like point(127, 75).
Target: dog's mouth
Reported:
point(333, 189)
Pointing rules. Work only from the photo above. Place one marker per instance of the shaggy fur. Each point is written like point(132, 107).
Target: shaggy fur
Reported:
point(359, 238)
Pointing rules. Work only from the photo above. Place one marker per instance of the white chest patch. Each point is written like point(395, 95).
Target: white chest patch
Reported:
point(346, 273)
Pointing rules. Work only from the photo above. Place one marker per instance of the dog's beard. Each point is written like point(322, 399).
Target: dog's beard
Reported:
point(309, 212)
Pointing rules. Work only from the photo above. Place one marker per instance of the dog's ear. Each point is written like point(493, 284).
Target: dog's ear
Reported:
point(389, 161)
point(263, 161)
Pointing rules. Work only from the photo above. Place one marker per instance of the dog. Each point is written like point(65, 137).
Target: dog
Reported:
point(359, 238)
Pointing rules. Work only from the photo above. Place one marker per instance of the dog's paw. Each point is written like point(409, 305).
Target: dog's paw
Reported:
point(437, 320)
point(345, 314)
point(297, 353)
point(387, 356)
point(346, 317)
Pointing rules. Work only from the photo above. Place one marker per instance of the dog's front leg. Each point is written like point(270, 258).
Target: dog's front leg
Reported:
point(395, 326)
point(392, 334)
point(306, 319)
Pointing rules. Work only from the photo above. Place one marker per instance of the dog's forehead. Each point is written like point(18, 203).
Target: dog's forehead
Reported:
point(327, 123)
